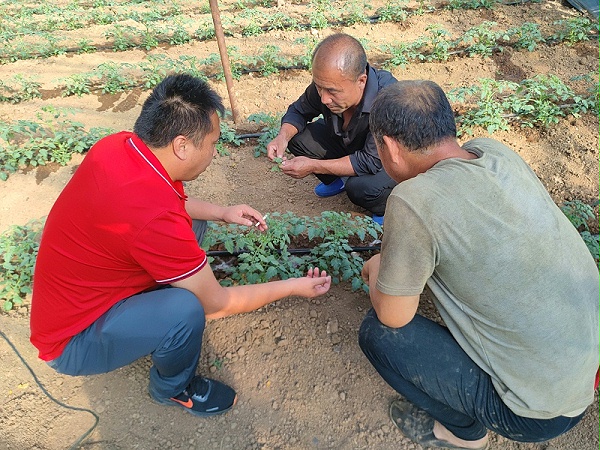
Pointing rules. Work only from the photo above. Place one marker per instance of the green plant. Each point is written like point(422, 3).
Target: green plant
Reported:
point(334, 253)
point(354, 12)
point(25, 89)
point(18, 250)
point(481, 40)
point(393, 11)
point(472, 4)
point(122, 37)
point(269, 131)
point(527, 36)
point(113, 77)
point(574, 29)
point(77, 84)
point(85, 46)
point(26, 143)
point(263, 256)
point(270, 60)
point(227, 136)
point(580, 214)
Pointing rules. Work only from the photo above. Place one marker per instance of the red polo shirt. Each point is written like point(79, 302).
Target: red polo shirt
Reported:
point(118, 228)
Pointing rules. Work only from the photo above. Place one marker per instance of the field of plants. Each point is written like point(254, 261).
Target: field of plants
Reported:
point(523, 72)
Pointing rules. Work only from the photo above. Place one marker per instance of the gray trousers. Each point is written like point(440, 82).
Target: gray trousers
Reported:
point(167, 323)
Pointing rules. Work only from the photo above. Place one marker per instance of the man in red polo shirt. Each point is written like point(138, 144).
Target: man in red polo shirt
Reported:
point(120, 274)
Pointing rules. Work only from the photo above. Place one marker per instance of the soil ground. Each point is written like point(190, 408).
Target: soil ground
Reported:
point(302, 380)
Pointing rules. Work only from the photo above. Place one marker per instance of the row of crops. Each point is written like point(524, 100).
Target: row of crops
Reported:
point(35, 30)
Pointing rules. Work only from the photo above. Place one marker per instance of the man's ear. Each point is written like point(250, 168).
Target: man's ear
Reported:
point(362, 80)
point(392, 147)
point(180, 149)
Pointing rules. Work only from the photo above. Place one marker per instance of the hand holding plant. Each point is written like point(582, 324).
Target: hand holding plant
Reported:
point(244, 215)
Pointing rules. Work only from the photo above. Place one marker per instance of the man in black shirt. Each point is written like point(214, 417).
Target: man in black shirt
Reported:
point(338, 148)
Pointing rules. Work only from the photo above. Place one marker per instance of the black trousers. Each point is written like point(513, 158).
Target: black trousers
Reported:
point(367, 191)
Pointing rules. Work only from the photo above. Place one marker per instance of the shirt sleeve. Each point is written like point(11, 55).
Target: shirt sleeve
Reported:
point(166, 248)
point(304, 110)
point(366, 161)
point(408, 251)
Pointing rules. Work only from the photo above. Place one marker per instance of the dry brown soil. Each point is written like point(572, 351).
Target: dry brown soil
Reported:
point(302, 380)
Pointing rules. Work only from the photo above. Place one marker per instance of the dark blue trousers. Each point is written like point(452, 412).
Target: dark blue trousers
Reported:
point(425, 364)
point(167, 323)
point(367, 191)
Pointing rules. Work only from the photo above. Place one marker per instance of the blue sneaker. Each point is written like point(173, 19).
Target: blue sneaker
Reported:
point(378, 219)
point(329, 190)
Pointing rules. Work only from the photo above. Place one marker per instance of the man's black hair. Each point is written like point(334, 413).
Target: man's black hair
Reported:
point(179, 105)
point(416, 113)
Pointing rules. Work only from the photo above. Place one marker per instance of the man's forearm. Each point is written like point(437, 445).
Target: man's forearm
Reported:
point(342, 167)
point(198, 209)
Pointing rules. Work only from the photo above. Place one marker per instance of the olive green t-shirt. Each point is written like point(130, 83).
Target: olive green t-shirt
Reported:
point(512, 278)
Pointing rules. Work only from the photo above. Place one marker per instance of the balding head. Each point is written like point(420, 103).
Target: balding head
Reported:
point(341, 52)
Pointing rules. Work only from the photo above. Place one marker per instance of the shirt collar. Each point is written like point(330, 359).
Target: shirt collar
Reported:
point(371, 90)
point(150, 158)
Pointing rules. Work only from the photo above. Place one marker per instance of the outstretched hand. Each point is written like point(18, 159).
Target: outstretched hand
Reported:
point(315, 283)
point(244, 215)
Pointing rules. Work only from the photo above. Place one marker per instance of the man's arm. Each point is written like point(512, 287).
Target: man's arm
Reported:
point(240, 214)
point(276, 148)
point(219, 301)
point(392, 311)
point(301, 166)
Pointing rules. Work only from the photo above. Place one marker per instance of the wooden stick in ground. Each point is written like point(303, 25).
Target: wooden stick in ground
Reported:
point(216, 16)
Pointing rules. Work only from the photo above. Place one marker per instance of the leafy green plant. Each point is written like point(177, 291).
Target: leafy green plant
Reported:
point(18, 251)
point(334, 253)
point(393, 11)
point(54, 139)
point(580, 214)
point(472, 4)
point(263, 256)
point(574, 29)
point(527, 36)
point(269, 131)
point(481, 40)
point(77, 84)
point(19, 88)
point(227, 136)
point(113, 77)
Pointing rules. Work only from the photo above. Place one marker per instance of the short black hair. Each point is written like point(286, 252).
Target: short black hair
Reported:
point(179, 105)
point(349, 51)
point(416, 113)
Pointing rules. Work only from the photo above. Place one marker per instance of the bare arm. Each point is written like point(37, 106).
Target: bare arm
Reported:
point(240, 214)
point(219, 301)
point(301, 166)
point(392, 311)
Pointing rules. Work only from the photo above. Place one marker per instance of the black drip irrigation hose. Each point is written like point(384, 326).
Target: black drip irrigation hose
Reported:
point(79, 441)
point(292, 251)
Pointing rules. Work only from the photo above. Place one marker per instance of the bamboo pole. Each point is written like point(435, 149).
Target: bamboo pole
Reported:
point(216, 16)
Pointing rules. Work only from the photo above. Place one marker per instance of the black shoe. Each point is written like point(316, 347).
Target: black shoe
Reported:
point(202, 397)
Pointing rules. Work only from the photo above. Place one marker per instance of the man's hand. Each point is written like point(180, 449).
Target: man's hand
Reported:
point(276, 148)
point(371, 269)
point(315, 283)
point(244, 215)
point(298, 167)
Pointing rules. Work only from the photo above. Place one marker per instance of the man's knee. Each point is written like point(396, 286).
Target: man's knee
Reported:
point(188, 309)
point(369, 334)
point(367, 192)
